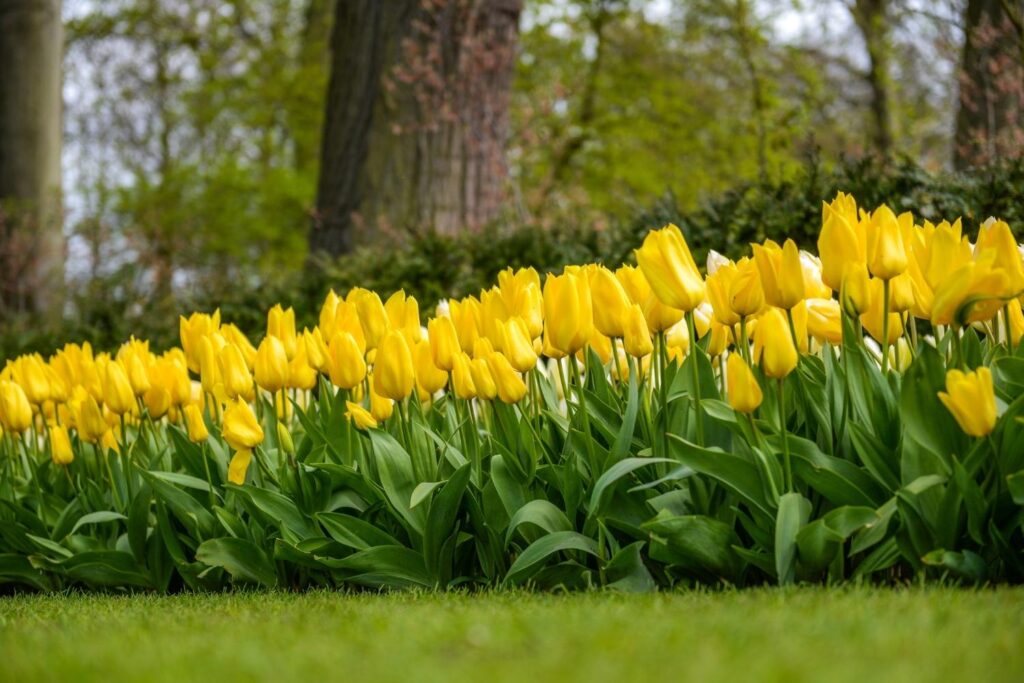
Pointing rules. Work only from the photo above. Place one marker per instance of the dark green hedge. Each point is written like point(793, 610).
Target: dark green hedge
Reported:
point(432, 266)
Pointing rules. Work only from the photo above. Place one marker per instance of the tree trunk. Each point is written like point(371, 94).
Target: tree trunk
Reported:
point(417, 118)
point(31, 236)
point(990, 118)
point(871, 17)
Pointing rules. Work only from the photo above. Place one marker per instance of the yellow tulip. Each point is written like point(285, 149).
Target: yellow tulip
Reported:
point(15, 410)
point(517, 345)
point(773, 344)
point(315, 347)
point(465, 316)
point(393, 370)
point(972, 293)
point(873, 318)
point(462, 377)
point(901, 293)
point(191, 330)
point(510, 384)
point(360, 416)
point(239, 466)
point(241, 429)
point(233, 335)
point(636, 335)
point(444, 342)
point(719, 284)
point(30, 373)
point(782, 275)
point(117, 391)
point(234, 373)
point(372, 316)
point(60, 446)
point(209, 369)
point(158, 401)
point(609, 301)
point(659, 316)
point(743, 391)
point(855, 294)
point(839, 245)
point(271, 369)
point(746, 295)
point(996, 236)
point(429, 377)
point(486, 388)
point(197, 431)
point(887, 256)
point(110, 441)
point(568, 312)
point(381, 407)
point(824, 321)
point(281, 325)
point(328, 314)
point(404, 315)
point(301, 375)
point(88, 419)
point(345, 363)
point(942, 252)
point(971, 400)
point(633, 283)
point(668, 265)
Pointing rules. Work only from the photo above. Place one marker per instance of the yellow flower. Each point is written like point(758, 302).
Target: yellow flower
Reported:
point(637, 337)
point(462, 377)
point(197, 431)
point(901, 293)
point(429, 377)
point(233, 335)
point(996, 236)
point(281, 325)
point(887, 256)
point(109, 441)
point(157, 401)
point(746, 295)
point(855, 294)
point(444, 341)
point(271, 369)
point(209, 369)
point(971, 399)
point(609, 301)
point(465, 315)
point(668, 265)
point(88, 419)
point(873, 319)
point(824, 321)
point(60, 446)
point(568, 312)
point(719, 285)
point(972, 293)
point(284, 438)
point(30, 373)
point(241, 429)
point(486, 388)
point(510, 384)
point(315, 347)
point(404, 315)
point(381, 407)
point(345, 363)
point(393, 370)
point(743, 390)
point(839, 245)
point(942, 251)
point(239, 465)
point(773, 344)
point(191, 330)
point(117, 390)
point(360, 416)
point(15, 410)
point(234, 373)
point(782, 275)
point(372, 316)
point(517, 345)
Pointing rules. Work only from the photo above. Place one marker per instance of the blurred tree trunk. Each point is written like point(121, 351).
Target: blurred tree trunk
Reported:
point(990, 118)
point(314, 56)
point(873, 21)
point(31, 235)
point(416, 118)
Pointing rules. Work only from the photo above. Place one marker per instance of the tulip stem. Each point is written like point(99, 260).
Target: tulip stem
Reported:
point(695, 371)
point(786, 460)
point(885, 326)
point(792, 329)
point(580, 406)
point(1007, 328)
point(744, 343)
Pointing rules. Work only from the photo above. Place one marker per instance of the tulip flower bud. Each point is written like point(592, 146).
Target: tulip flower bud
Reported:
point(345, 363)
point(281, 325)
point(404, 315)
point(284, 438)
point(209, 369)
point(393, 370)
point(971, 400)
point(60, 446)
point(718, 285)
point(609, 301)
point(197, 431)
point(838, 246)
point(873, 319)
point(157, 401)
point(30, 373)
point(444, 342)
point(518, 346)
point(117, 391)
point(901, 293)
point(773, 344)
point(429, 377)
point(568, 312)
point(372, 317)
point(381, 407)
point(887, 256)
point(89, 420)
point(328, 314)
point(271, 365)
point(668, 265)
point(972, 293)
point(636, 336)
point(824, 320)
point(194, 328)
point(234, 373)
point(996, 236)
point(241, 429)
point(486, 388)
point(301, 375)
point(782, 275)
point(15, 410)
point(856, 291)
point(360, 416)
point(316, 349)
point(110, 442)
point(510, 384)
point(462, 377)
point(743, 390)
point(746, 295)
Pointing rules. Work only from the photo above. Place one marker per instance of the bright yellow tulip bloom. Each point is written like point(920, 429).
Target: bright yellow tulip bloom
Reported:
point(668, 265)
point(742, 389)
point(971, 400)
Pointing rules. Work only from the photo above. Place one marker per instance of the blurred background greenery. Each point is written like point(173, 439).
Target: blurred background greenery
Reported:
point(236, 153)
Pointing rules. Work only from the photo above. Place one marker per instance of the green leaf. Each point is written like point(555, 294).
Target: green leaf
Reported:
point(541, 513)
point(626, 571)
point(965, 564)
point(422, 492)
point(16, 568)
point(397, 478)
point(531, 560)
point(189, 511)
point(242, 559)
point(1015, 482)
point(97, 518)
point(794, 510)
point(283, 513)
point(605, 484)
point(924, 416)
point(736, 473)
point(624, 439)
point(185, 480)
point(444, 509)
point(700, 545)
point(354, 532)
point(384, 567)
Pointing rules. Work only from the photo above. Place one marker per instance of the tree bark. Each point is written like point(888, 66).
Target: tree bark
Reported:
point(31, 235)
point(990, 117)
point(416, 118)
point(871, 17)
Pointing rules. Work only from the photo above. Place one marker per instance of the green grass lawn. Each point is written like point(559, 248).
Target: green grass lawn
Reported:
point(855, 634)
